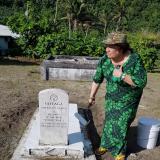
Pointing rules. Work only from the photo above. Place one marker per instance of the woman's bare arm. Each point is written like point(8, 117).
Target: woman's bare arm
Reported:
point(94, 89)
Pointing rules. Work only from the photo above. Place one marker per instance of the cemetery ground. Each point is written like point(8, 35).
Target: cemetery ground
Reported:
point(20, 83)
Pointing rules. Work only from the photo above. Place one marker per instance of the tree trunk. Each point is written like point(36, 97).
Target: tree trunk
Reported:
point(87, 29)
point(55, 17)
point(75, 25)
point(69, 25)
point(105, 26)
point(119, 22)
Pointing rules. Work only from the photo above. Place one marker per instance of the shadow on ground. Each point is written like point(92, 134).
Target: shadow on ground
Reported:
point(23, 61)
point(94, 136)
point(132, 146)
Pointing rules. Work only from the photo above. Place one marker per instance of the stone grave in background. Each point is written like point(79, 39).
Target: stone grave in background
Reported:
point(69, 68)
point(54, 131)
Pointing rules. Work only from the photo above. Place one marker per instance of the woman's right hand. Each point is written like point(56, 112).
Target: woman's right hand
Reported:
point(91, 101)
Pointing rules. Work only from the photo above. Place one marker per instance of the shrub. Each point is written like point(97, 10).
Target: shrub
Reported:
point(146, 45)
point(60, 44)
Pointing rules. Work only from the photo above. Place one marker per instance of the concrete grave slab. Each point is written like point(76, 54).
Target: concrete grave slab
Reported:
point(54, 130)
point(69, 68)
point(30, 149)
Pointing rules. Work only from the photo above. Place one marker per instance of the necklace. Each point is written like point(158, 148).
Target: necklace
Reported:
point(120, 63)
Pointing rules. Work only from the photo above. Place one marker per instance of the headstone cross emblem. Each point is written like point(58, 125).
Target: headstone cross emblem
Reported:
point(53, 97)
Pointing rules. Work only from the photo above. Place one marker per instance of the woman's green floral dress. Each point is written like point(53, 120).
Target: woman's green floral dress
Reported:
point(121, 101)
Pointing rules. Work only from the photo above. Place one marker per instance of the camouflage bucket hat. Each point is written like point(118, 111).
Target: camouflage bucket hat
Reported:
point(116, 38)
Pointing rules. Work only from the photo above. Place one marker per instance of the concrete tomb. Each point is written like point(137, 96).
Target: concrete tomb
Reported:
point(54, 131)
point(69, 68)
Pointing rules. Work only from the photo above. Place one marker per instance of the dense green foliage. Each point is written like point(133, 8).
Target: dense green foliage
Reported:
point(148, 46)
point(77, 27)
point(60, 44)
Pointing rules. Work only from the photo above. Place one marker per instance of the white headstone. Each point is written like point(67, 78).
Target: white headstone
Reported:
point(54, 116)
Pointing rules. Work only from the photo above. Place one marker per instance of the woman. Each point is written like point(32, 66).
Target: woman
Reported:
point(125, 79)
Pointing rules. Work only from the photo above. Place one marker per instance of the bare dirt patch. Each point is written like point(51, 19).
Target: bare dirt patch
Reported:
point(20, 83)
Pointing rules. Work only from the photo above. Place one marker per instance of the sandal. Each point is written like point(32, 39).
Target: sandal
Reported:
point(120, 157)
point(100, 151)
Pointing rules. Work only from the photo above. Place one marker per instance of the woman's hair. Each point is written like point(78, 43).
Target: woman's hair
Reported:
point(125, 47)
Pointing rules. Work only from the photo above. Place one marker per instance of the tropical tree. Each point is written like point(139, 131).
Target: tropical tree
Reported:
point(120, 14)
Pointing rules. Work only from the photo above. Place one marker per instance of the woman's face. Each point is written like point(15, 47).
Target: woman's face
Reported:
point(113, 51)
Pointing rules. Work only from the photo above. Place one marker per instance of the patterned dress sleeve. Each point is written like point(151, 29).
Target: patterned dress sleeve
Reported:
point(98, 76)
point(139, 76)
